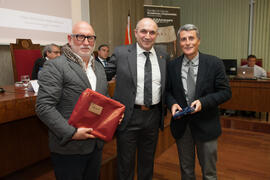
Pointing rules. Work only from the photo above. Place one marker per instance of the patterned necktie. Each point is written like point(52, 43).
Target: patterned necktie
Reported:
point(190, 84)
point(147, 81)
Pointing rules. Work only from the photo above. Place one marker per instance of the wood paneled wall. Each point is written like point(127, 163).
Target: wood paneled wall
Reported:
point(109, 19)
point(6, 70)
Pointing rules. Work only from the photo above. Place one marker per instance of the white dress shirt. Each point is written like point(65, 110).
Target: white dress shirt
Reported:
point(90, 73)
point(102, 61)
point(156, 77)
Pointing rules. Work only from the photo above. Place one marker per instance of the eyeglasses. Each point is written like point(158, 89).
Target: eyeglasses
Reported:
point(81, 37)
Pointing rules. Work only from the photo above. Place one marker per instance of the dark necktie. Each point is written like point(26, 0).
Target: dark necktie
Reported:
point(105, 63)
point(147, 81)
point(190, 84)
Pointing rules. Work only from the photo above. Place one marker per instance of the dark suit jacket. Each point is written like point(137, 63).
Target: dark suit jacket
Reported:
point(125, 58)
point(61, 83)
point(98, 60)
point(110, 69)
point(212, 89)
point(37, 66)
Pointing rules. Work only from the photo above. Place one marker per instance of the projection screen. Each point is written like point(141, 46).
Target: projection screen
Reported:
point(43, 22)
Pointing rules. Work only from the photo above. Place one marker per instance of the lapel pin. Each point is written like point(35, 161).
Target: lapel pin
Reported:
point(160, 57)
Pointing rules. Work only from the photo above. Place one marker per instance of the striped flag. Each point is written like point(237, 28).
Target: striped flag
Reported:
point(128, 39)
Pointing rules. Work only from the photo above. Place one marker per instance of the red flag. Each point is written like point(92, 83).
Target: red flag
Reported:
point(128, 39)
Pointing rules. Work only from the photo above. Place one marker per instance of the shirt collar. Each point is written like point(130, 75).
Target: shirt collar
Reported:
point(194, 61)
point(101, 59)
point(84, 64)
point(141, 50)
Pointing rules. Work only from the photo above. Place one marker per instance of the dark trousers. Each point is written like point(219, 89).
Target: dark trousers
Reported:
point(141, 134)
point(206, 153)
point(77, 167)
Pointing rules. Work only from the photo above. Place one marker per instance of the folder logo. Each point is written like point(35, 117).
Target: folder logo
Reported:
point(94, 108)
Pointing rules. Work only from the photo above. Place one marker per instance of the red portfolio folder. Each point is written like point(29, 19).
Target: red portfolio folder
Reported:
point(94, 110)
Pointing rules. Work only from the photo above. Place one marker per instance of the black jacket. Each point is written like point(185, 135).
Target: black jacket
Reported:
point(37, 67)
point(212, 89)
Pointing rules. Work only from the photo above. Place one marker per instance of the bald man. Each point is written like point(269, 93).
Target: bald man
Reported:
point(75, 153)
point(140, 85)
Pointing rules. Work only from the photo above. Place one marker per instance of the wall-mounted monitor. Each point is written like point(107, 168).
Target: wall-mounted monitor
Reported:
point(230, 66)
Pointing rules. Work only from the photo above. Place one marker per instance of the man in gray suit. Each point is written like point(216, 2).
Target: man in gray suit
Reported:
point(197, 80)
point(140, 86)
point(75, 153)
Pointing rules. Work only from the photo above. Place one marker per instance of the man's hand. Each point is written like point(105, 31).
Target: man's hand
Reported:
point(83, 133)
point(197, 105)
point(174, 108)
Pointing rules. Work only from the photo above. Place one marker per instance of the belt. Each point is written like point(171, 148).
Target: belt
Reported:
point(145, 108)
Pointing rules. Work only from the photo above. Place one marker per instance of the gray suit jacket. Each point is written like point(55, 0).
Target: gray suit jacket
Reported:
point(125, 59)
point(61, 82)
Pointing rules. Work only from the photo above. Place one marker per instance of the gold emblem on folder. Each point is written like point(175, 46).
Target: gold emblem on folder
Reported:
point(94, 108)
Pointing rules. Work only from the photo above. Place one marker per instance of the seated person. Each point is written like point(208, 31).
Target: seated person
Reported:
point(104, 59)
point(49, 52)
point(103, 54)
point(258, 71)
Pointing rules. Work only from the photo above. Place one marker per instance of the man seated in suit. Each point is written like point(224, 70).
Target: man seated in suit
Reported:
point(104, 59)
point(103, 54)
point(197, 80)
point(259, 72)
point(49, 52)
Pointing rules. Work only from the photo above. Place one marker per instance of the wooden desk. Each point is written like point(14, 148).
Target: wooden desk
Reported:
point(111, 87)
point(23, 137)
point(16, 104)
point(249, 95)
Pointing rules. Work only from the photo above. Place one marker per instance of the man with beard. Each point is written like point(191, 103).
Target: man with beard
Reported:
point(75, 152)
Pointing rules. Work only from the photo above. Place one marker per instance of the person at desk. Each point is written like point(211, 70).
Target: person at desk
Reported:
point(103, 54)
point(197, 80)
point(259, 72)
point(140, 86)
point(104, 59)
point(75, 152)
point(49, 52)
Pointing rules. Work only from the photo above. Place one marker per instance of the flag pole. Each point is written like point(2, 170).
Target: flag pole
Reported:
point(128, 38)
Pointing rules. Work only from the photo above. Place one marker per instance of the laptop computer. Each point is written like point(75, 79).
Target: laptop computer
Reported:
point(245, 73)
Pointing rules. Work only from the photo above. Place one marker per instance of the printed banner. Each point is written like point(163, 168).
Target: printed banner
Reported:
point(168, 21)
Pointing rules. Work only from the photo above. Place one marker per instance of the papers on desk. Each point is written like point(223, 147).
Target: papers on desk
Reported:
point(33, 86)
